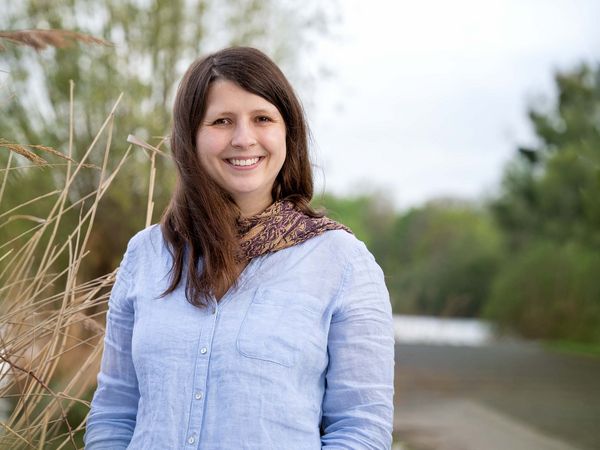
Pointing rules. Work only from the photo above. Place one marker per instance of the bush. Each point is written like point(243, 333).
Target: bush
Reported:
point(445, 258)
point(548, 291)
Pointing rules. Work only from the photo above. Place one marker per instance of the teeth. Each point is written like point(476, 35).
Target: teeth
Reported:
point(243, 162)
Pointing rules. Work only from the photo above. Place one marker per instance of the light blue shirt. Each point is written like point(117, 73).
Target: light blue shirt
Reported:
point(304, 342)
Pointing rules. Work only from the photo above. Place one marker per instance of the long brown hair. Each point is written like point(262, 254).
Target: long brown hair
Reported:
point(200, 223)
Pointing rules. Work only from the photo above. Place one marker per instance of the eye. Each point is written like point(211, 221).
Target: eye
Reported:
point(263, 119)
point(221, 121)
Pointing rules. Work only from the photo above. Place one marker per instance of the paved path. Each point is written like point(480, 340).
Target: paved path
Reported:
point(500, 396)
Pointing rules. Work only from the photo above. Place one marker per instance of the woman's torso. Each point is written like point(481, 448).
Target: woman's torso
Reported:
point(248, 373)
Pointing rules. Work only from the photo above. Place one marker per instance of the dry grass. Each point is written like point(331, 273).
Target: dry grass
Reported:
point(42, 39)
point(51, 323)
point(25, 150)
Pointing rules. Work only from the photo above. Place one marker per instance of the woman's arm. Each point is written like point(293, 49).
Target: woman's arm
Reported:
point(358, 402)
point(112, 416)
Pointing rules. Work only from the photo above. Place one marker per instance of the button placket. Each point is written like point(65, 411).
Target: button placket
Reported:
point(200, 375)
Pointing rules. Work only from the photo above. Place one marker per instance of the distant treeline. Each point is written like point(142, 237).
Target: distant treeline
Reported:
point(527, 259)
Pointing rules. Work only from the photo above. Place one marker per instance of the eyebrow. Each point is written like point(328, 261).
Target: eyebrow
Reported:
point(256, 111)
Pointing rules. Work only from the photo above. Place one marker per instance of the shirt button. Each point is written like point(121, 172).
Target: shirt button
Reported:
point(203, 350)
point(198, 396)
point(191, 440)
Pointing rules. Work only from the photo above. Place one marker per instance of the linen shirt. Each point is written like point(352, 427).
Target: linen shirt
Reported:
point(298, 356)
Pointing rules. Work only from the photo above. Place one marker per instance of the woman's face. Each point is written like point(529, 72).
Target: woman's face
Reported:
point(241, 144)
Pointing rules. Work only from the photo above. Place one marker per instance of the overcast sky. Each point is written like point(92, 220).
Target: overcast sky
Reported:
point(429, 98)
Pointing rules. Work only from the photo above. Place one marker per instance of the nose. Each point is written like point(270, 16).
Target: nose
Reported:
point(243, 135)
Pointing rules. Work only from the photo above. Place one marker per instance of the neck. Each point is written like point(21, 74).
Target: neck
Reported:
point(251, 208)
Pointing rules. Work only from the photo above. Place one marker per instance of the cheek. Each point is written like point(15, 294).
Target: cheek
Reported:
point(207, 145)
point(277, 142)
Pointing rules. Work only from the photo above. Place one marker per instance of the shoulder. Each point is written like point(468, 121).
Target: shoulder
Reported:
point(341, 252)
point(147, 238)
point(146, 245)
point(360, 267)
point(344, 246)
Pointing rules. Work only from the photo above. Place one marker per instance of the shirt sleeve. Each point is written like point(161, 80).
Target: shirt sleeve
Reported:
point(112, 417)
point(358, 401)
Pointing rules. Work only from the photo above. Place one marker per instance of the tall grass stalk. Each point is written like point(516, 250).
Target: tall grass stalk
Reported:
point(51, 322)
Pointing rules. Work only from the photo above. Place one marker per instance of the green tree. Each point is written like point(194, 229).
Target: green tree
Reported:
point(549, 210)
point(446, 256)
point(551, 191)
point(549, 291)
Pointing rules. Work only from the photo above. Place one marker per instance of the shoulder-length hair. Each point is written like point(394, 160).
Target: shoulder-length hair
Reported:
point(200, 221)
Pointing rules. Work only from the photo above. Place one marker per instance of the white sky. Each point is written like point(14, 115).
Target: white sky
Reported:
point(428, 98)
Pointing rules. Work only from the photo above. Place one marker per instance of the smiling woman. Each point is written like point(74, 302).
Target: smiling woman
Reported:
point(247, 319)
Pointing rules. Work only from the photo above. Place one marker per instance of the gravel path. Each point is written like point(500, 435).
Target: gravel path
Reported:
point(500, 396)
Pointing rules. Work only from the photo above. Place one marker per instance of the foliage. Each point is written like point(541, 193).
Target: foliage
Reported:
point(549, 291)
point(549, 211)
point(446, 255)
point(551, 191)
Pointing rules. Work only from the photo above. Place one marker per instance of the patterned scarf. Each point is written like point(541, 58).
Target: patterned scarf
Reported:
point(280, 226)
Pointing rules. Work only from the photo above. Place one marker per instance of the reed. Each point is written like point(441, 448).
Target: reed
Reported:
point(42, 39)
point(52, 322)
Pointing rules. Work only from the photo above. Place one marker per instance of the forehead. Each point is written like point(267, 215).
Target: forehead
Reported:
point(227, 96)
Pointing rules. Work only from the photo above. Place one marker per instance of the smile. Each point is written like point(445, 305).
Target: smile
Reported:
point(238, 162)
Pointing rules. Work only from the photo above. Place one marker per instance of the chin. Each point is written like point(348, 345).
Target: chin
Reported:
point(244, 192)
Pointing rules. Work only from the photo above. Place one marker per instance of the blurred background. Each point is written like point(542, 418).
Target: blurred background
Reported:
point(459, 140)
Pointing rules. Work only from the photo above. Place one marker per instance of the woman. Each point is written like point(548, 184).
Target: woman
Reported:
point(246, 320)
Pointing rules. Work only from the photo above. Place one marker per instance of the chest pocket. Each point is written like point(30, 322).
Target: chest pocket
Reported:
point(279, 327)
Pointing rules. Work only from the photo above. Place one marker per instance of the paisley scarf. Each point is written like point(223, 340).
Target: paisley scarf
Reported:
point(280, 226)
